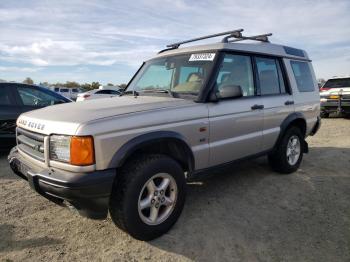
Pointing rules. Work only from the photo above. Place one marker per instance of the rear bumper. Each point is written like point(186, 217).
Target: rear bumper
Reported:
point(88, 192)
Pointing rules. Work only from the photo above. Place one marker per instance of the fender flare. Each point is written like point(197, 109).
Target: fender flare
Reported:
point(286, 122)
point(140, 141)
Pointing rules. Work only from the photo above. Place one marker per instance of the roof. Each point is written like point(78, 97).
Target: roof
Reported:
point(256, 47)
point(339, 77)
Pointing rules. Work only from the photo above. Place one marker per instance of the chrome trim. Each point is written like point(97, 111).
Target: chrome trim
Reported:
point(31, 134)
point(29, 159)
point(47, 150)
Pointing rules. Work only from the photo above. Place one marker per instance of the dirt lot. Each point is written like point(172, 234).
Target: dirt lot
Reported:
point(242, 213)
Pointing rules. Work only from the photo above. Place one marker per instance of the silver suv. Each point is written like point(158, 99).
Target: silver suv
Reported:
point(185, 111)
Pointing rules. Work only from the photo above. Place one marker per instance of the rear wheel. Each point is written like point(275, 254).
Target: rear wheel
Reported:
point(288, 154)
point(148, 196)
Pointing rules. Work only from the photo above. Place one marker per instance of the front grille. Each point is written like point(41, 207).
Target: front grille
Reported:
point(31, 143)
point(345, 97)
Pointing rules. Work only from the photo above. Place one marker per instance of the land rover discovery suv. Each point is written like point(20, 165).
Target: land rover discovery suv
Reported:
point(185, 111)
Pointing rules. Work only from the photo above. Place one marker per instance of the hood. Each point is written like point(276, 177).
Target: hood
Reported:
point(335, 91)
point(66, 118)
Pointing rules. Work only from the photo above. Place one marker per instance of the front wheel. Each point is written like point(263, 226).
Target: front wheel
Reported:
point(324, 114)
point(148, 196)
point(288, 154)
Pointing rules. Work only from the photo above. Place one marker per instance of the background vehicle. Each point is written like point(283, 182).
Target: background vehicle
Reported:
point(97, 93)
point(335, 96)
point(70, 93)
point(185, 111)
point(16, 99)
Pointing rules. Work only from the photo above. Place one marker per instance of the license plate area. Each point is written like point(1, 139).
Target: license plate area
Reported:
point(23, 169)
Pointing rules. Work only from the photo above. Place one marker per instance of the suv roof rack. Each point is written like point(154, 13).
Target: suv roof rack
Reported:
point(237, 34)
point(232, 33)
point(262, 38)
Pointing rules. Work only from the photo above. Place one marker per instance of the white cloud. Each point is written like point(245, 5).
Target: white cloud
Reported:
point(70, 53)
point(103, 33)
point(15, 69)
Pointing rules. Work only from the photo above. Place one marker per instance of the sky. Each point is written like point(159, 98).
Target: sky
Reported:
point(106, 41)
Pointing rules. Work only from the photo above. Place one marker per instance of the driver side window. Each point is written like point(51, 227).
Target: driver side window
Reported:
point(237, 70)
point(35, 97)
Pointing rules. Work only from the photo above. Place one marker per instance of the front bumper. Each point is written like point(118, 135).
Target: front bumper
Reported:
point(88, 192)
point(335, 106)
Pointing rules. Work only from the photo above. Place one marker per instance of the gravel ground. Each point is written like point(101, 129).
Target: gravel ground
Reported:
point(242, 213)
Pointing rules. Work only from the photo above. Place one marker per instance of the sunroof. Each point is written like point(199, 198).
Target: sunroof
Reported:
point(294, 51)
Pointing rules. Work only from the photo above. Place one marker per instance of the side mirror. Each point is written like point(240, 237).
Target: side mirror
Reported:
point(229, 91)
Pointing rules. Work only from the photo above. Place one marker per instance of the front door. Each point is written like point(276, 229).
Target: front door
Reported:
point(235, 124)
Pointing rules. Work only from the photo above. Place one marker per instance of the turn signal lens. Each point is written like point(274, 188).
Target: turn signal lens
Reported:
point(82, 151)
point(334, 97)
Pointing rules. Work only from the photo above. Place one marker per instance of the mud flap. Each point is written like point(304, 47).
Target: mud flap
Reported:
point(305, 147)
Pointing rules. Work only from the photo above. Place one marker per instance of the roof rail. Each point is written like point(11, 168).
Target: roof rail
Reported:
point(262, 38)
point(233, 33)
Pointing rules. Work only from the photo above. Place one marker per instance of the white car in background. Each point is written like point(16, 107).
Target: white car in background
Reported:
point(70, 93)
point(97, 93)
point(335, 96)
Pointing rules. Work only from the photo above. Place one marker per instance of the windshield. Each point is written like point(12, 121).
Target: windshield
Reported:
point(181, 74)
point(337, 83)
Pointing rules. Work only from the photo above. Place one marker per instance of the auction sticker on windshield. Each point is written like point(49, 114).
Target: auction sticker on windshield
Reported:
point(202, 57)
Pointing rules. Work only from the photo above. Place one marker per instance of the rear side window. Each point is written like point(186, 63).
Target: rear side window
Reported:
point(57, 89)
point(36, 97)
point(270, 76)
point(303, 77)
point(5, 99)
point(64, 90)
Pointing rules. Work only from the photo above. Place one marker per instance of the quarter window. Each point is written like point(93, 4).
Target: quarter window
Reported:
point(303, 76)
point(237, 70)
point(270, 76)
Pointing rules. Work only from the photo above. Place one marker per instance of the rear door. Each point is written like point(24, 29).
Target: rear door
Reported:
point(236, 124)
point(9, 112)
point(276, 95)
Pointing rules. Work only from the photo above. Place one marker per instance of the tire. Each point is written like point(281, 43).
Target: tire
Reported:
point(278, 159)
point(127, 197)
point(324, 114)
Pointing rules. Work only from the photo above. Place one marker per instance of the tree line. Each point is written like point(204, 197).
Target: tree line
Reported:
point(71, 84)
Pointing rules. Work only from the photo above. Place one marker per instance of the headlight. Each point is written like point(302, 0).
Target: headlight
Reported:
point(75, 150)
point(60, 148)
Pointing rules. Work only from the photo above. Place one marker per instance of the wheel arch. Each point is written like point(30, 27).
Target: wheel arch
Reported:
point(169, 143)
point(295, 119)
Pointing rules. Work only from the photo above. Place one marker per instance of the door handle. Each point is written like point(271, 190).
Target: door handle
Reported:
point(255, 107)
point(289, 102)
